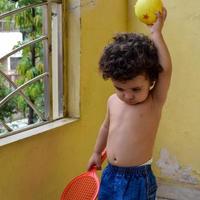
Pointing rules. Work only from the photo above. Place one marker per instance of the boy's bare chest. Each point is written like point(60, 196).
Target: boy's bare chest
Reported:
point(144, 115)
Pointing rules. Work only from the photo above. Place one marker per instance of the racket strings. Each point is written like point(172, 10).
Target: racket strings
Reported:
point(84, 188)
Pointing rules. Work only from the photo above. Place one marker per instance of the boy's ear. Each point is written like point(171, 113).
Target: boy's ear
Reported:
point(152, 85)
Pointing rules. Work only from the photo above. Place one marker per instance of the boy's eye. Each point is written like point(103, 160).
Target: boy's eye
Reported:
point(120, 89)
point(136, 89)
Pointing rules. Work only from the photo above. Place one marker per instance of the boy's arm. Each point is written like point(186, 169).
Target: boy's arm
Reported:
point(162, 85)
point(102, 136)
point(100, 143)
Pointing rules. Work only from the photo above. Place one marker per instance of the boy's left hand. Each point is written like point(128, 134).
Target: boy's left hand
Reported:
point(158, 25)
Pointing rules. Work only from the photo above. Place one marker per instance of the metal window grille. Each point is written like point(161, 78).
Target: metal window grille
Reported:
point(52, 75)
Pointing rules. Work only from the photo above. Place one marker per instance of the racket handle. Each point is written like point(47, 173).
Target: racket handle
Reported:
point(103, 155)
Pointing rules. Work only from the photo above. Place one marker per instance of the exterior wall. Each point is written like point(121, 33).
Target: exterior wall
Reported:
point(177, 148)
point(38, 168)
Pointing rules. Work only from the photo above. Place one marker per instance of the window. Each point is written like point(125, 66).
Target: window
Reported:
point(31, 68)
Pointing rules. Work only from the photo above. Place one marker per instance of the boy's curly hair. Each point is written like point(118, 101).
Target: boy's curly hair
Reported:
point(128, 56)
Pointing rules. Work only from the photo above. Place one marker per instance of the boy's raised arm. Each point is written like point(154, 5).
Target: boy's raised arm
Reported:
point(161, 87)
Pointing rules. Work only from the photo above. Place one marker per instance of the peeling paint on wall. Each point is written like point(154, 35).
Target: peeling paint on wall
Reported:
point(170, 167)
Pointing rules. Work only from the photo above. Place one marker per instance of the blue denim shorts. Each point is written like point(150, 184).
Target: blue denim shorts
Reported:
point(128, 183)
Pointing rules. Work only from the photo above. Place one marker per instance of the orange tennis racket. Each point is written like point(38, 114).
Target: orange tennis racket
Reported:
point(85, 186)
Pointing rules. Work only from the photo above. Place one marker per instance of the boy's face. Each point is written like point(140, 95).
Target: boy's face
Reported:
point(133, 91)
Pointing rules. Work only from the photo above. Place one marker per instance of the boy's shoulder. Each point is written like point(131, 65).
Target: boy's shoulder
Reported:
point(112, 98)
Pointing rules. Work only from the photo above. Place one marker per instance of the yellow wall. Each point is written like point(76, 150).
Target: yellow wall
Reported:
point(178, 136)
point(39, 167)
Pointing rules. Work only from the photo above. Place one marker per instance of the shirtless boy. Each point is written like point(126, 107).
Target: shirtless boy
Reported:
point(140, 70)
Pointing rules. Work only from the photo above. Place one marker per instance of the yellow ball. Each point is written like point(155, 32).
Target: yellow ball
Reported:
point(146, 10)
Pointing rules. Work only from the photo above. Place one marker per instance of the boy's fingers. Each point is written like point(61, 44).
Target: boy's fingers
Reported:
point(98, 167)
point(159, 16)
point(93, 164)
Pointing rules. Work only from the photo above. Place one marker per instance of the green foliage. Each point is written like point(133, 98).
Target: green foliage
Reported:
point(21, 104)
point(9, 107)
point(26, 2)
point(29, 23)
point(6, 6)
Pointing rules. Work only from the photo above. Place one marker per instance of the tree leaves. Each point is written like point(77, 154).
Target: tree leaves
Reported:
point(29, 23)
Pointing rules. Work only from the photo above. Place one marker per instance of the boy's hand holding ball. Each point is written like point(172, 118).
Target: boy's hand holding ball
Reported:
point(146, 10)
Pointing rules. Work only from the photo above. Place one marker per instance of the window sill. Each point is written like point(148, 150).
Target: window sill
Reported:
point(36, 131)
